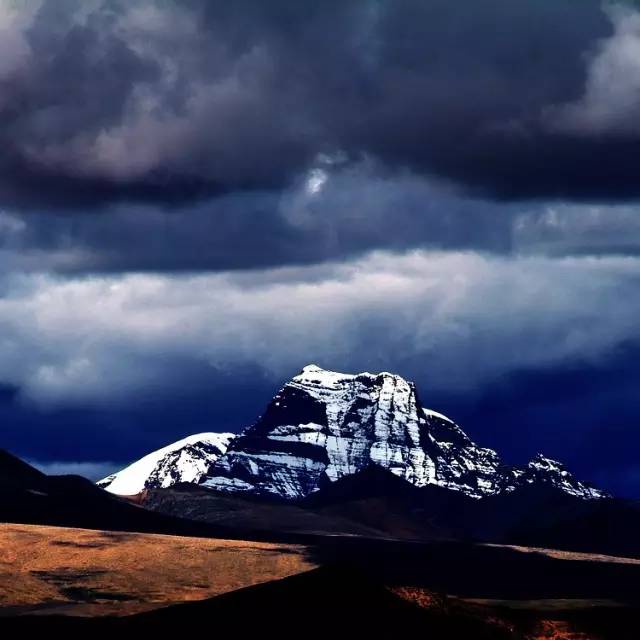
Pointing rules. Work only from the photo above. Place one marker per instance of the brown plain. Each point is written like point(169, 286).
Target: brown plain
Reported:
point(85, 572)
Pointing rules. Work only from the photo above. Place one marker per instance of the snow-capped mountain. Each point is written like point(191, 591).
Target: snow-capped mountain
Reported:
point(542, 470)
point(325, 425)
point(187, 460)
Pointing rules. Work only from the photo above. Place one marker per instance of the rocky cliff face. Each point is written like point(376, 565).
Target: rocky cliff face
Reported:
point(324, 425)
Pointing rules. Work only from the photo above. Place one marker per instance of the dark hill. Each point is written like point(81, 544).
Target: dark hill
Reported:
point(28, 496)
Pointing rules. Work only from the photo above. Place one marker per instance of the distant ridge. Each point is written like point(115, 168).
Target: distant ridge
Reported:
point(30, 497)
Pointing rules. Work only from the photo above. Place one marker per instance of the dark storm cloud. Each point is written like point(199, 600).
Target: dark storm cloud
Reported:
point(325, 215)
point(164, 101)
point(455, 320)
point(328, 214)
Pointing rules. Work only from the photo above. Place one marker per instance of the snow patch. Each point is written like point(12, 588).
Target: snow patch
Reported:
point(188, 460)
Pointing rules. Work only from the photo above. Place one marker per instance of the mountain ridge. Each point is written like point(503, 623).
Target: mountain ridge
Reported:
point(324, 425)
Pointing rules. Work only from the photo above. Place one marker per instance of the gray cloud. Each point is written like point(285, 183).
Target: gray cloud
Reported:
point(454, 321)
point(558, 229)
point(331, 211)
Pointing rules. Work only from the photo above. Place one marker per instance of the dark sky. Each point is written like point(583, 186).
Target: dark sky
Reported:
point(198, 198)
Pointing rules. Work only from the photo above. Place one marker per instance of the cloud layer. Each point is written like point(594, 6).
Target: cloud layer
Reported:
point(452, 320)
point(330, 213)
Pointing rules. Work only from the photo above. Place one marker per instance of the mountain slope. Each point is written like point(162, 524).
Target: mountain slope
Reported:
point(324, 425)
point(30, 497)
point(14, 473)
point(186, 460)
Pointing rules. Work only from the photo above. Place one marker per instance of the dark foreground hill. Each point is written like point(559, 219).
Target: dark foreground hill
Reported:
point(372, 504)
point(377, 504)
point(540, 516)
point(31, 497)
point(333, 603)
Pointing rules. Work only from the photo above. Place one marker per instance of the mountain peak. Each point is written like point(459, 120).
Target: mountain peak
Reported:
point(315, 370)
point(312, 368)
point(540, 461)
point(325, 425)
point(546, 471)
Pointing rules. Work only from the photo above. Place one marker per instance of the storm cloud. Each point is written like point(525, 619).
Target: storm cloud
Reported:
point(102, 339)
point(329, 213)
point(164, 102)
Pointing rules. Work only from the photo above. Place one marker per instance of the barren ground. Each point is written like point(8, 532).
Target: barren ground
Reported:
point(79, 571)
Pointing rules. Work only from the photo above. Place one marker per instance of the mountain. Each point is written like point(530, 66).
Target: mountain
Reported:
point(187, 460)
point(551, 473)
point(30, 497)
point(17, 474)
point(324, 425)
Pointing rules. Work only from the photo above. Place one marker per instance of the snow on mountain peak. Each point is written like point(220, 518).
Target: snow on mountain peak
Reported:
point(540, 461)
point(435, 414)
point(324, 425)
point(186, 460)
point(543, 470)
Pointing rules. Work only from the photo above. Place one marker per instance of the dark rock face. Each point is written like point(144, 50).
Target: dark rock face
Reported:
point(323, 426)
